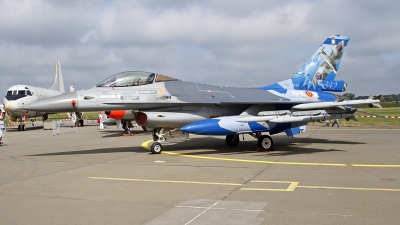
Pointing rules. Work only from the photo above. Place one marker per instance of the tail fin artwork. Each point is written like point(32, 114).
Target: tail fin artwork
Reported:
point(59, 81)
point(319, 72)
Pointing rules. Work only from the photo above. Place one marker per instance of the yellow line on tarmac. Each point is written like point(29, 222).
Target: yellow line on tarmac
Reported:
point(372, 165)
point(145, 145)
point(294, 185)
point(253, 161)
point(349, 188)
point(264, 189)
point(165, 181)
point(291, 187)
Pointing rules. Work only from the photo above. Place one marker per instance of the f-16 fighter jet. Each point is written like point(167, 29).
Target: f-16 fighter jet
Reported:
point(172, 108)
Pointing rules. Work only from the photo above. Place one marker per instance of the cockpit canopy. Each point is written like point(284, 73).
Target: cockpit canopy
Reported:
point(13, 95)
point(134, 78)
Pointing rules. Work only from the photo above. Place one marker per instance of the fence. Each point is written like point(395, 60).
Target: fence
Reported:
point(64, 127)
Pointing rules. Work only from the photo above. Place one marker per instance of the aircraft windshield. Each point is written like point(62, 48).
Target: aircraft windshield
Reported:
point(133, 78)
point(17, 94)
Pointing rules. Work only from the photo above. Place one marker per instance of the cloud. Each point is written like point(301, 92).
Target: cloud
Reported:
point(90, 35)
point(218, 42)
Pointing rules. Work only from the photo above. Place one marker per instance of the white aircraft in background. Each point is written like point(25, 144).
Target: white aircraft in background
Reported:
point(20, 95)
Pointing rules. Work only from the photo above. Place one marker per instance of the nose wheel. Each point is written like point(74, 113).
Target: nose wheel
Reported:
point(156, 148)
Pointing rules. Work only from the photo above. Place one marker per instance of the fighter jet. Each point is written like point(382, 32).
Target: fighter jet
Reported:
point(173, 108)
point(20, 95)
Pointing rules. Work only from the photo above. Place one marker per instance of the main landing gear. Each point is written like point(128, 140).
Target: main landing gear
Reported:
point(264, 142)
point(232, 140)
point(21, 127)
point(162, 134)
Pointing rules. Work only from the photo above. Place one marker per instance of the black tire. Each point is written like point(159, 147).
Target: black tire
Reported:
point(156, 148)
point(232, 140)
point(19, 127)
point(265, 142)
point(23, 128)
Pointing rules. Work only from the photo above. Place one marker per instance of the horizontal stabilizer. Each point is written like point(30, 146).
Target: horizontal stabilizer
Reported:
point(319, 105)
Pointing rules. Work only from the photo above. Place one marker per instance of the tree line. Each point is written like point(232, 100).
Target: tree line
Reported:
point(384, 98)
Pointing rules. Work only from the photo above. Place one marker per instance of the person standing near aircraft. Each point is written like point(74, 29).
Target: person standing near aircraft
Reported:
point(2, 115)
point(80, 119)
point(104, 118)
point(336, 122)
point(100, 119)
point(327, 122)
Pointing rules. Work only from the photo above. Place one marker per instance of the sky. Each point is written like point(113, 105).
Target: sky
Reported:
point(230, 43)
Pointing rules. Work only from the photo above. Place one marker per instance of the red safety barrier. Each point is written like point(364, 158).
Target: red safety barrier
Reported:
point(387, 117)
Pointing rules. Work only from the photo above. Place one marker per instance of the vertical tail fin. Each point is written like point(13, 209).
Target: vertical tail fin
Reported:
point(319, 72)
point(59, 81)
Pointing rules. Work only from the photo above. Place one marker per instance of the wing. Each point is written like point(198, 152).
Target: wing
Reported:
point(308, 112)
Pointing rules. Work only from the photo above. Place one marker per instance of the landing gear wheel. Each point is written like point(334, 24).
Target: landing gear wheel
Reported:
point(265, 142)
point(156, 148)
point(19, 127)
point(232, 140)
point(23, 128)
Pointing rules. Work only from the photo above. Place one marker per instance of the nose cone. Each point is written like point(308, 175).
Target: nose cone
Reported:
point(12, 108)
point(61, 103)
point(8, 105)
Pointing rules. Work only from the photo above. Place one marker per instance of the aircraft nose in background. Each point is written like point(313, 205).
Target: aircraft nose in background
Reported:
point(61, 103)
point(8, 104)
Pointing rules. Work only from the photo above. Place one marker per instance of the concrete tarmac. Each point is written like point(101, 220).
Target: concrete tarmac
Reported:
point(324, 176)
